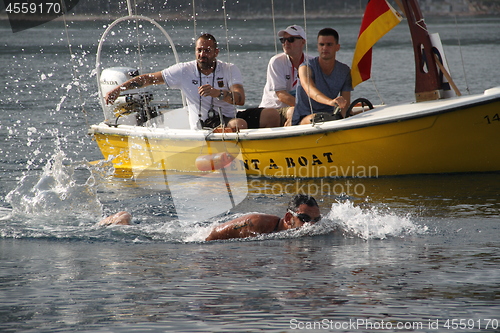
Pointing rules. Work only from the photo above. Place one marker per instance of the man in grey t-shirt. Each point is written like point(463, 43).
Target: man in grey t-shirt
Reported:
point(325, 83)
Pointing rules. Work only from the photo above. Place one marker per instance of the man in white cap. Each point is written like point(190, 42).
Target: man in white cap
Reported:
point(282, 73)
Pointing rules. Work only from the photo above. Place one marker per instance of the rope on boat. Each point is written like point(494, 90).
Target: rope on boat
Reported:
point(139, 55)
point(223, 170)
point(305, 21)
point(462, 56)
point(274, 28)
point(73, 64)
point(228, 55)
point(194, 20)
point(307, 52)
point(376, 90)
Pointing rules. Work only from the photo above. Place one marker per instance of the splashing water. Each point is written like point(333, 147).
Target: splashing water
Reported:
point(372, 223)
point(56, 192)
point(62, 202)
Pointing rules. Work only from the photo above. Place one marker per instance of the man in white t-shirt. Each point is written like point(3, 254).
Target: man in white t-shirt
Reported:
point(282, 73)
point(210, 86)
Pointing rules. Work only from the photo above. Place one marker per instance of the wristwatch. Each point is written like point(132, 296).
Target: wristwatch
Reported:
point(221, 95)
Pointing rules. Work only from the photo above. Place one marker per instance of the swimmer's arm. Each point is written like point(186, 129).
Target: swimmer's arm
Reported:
point(245, 226)
point(238, 228)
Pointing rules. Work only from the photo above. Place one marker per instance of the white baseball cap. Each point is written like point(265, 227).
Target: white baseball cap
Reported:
point(293, 30)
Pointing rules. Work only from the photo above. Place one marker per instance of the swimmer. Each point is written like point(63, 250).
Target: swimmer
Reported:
point(301, 209)
point(121, 218)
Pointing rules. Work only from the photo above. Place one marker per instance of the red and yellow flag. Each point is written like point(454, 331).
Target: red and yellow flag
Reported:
point(379, 19)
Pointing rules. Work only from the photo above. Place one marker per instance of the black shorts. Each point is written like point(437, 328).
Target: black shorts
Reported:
point(251, 116)
point(214, 122)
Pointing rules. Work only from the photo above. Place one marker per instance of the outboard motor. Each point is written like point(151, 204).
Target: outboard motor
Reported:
point(132, 107)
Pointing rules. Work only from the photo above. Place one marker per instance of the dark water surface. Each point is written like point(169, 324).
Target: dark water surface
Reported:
point(415, 253)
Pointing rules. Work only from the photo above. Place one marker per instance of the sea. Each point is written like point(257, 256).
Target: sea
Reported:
point(417, 253)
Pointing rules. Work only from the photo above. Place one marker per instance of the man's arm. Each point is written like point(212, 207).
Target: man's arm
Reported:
point(134, 83)
point(307, 82)
point(276, 80)
point(236, 94)
point(245, 226)
point(285, 97)
point(347, 97)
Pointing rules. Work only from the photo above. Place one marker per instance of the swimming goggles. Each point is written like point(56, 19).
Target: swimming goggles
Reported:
point(304, 217)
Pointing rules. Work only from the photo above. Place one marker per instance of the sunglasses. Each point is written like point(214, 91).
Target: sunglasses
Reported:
point(289, 39)
point(304, 217)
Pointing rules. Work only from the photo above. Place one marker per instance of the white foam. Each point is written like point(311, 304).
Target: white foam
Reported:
point(55, 192)
point(371, 223)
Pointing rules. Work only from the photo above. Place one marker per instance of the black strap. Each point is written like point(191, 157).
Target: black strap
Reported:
point(212, 101)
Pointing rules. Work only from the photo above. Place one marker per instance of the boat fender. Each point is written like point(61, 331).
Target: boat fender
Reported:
point(213, 162)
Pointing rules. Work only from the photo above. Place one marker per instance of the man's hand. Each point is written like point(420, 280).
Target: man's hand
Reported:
point(339, 101)
point(207, 90)
point(235, 95)
point(112, 95)
point(134, 83)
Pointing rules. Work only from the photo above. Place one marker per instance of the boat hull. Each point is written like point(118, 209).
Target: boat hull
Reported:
point(461, 135)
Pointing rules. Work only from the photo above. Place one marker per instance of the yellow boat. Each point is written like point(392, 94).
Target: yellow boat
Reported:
point(433, 135)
